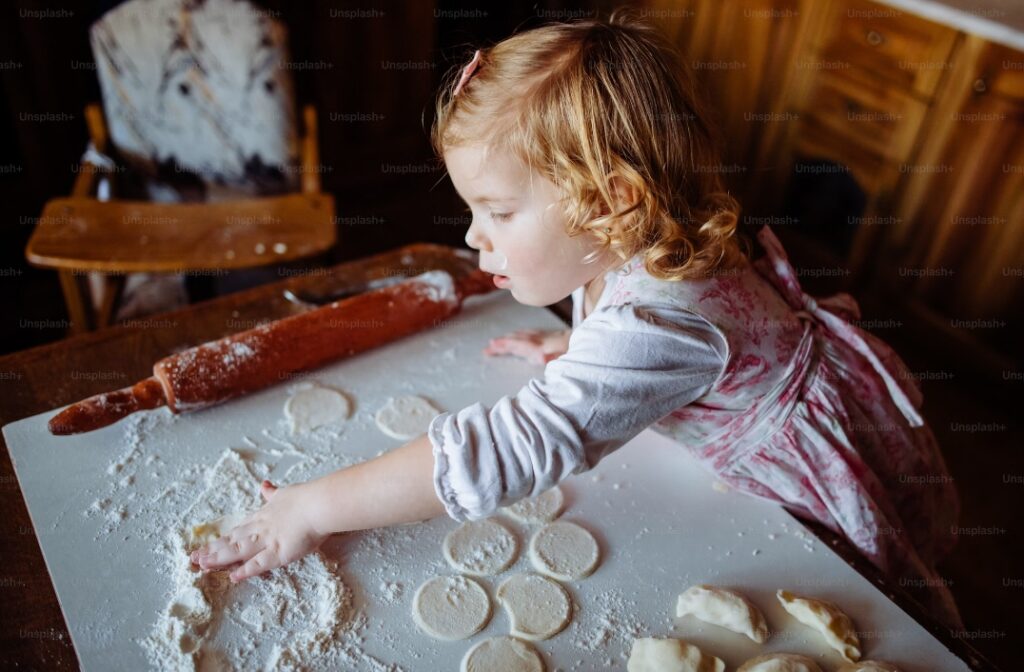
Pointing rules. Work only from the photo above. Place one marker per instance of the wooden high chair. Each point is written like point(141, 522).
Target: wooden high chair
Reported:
point(210, 100)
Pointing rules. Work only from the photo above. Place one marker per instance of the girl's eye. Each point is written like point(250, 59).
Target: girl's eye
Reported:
point(501, 216)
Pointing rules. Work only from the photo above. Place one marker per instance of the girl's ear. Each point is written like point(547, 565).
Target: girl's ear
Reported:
point(624, 192)
point(625, 196)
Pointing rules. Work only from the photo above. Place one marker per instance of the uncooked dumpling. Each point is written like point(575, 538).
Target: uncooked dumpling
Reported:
point(724, 608)
point(502, 654)
point(451, 607)
point(406, 417)
point(828, 619)
point(312, 407)
point(538, 607)
point(564, 551)
point(868, 666)
point(650, 654)
point(779, 662)
point(543, 508)
point(481, 547)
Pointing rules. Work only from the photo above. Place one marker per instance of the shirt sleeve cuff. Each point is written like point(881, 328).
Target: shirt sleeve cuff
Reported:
point(442, 470)
point(466, 479)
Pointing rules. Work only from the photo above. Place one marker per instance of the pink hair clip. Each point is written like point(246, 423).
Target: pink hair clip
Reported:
point(468, 71)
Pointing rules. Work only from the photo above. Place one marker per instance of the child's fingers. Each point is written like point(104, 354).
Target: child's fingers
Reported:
point(240, 545)
point(530, 354)
point(499, 346)
point(527, 334)
point(535, 337)
point(256, 565)
point(511, 346)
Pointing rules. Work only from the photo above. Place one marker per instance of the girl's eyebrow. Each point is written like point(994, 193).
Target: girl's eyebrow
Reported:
point(493, 199)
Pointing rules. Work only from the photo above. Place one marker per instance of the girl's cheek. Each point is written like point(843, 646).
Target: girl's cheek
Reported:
point(500, 261)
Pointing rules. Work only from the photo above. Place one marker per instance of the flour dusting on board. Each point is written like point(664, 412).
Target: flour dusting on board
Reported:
point(296, 617)
point(302, 616)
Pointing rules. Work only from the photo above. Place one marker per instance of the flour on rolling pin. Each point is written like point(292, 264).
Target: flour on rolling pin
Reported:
point(250, 360)
point(437, 286)
point(235, 365)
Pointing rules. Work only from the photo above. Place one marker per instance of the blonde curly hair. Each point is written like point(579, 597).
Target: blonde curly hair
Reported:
point(586, 102)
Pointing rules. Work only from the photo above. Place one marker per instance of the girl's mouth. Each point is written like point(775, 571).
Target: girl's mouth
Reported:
point(501, 281)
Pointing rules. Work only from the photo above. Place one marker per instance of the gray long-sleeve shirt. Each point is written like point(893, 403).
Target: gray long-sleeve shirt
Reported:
point(627, 366)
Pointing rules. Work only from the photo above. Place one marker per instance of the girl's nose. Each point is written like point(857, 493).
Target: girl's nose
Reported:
point(475, 240)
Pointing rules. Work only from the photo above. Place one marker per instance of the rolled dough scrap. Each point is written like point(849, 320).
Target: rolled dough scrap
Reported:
point(481, 548)
point(451, 607)
point(538, 607)
point(204, 533)
point(779, 662)
point(564, 551)
point(868, 666)
point(405, 417)
point(651, 654)
point(724, 608)
point(828, 619)
point(313, 407)
point(543, 508)
point(502, 654)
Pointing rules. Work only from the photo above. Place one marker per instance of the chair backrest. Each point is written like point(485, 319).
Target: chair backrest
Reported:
point(199, 94)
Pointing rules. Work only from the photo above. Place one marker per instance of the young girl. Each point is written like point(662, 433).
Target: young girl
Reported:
point(589, 169)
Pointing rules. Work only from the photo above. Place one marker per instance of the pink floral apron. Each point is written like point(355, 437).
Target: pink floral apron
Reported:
point(816, 414)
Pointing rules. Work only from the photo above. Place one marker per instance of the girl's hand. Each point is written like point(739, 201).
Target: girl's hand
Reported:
point(537, 347)
point(279, 533)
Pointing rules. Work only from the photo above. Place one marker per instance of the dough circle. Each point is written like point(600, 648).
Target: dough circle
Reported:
point(405, 417)
point(451, 607)
point(313, 407)
point(502, 654)
point(481, 548)
point(564, 551)
point(538, 607)
point(543, 508)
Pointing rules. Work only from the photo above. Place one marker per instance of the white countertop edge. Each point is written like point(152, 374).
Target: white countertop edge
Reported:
point(959, 19)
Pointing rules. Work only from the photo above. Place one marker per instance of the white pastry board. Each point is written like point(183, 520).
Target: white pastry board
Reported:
point(661, 525)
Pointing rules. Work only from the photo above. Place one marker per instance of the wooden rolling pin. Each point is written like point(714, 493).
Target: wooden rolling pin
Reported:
point(250, 360)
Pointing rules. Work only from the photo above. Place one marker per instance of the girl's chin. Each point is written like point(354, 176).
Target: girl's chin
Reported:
point(527, 298)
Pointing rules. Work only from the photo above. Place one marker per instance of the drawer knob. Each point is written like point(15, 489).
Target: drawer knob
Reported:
point(980, 85)
point(874, 38)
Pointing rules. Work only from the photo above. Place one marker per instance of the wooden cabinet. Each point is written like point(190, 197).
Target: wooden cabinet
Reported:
point(882, 44)
point(961, 218)
point(740, 52)
point(921, 126)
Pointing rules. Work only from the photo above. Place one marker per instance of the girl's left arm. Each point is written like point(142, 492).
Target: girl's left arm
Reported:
point(397, 487)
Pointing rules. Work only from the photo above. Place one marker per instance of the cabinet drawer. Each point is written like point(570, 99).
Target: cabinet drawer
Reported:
point(869, 118)
point(881, 42)
point(867, 168)
point(1002, 73)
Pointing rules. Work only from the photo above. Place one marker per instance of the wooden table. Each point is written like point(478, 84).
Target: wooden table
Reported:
point(32, 630)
